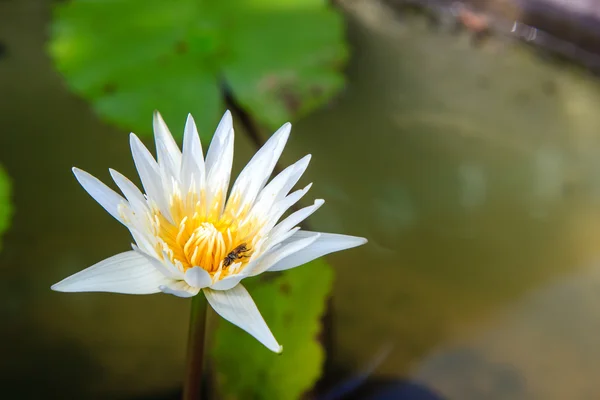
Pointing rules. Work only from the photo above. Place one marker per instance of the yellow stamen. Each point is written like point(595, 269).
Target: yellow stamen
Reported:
point(201, 237)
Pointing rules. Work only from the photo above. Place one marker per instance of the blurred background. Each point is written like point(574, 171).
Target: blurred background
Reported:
point(461, 138)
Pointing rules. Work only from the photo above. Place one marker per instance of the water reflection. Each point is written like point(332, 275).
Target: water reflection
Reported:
point(477, 185)
point(396, 212)
point(544, 346)
point(548, 180)
point(473, 186)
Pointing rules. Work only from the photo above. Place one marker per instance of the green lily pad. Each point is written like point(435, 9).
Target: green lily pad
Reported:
point(280, 59)
point(5, 202)
point(296, 66)
point(292, 305)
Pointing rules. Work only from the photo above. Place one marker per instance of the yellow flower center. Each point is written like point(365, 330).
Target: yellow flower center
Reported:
point(196, 237)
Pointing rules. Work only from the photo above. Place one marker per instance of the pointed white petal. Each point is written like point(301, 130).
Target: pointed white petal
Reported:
point(272, 241)
point(104, 195)
point(149, 174)
point(146, 166)
point(325, 244)
point(280, 186)
point(281, 252)
point(224, 130)
point(179, 289)
point(198, 278)
point(167, 152)
point(229, 281)
point(279, 208)
point(294, 219)
point(127, 272)
point(219, 160)
point(143, 240)
point(136, 199)
point(256, 173)
point(236, 306)
point(192, 166)
point(164, 266)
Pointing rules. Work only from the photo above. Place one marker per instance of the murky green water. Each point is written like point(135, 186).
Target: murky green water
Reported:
point(474, 172)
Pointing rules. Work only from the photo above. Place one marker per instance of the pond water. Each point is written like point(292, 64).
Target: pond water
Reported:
point(474, 171)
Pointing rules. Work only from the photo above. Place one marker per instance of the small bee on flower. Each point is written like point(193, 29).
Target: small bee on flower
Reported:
point(190, 236)
point(235, 254)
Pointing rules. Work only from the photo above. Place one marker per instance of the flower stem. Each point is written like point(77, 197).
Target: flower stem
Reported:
point(195, 352)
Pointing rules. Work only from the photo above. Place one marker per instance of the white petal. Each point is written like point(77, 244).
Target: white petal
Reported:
point(219, 160)
point(281, 252)
point(272, 241)
point(236, 306)
point(279, 208)
point(293, 220)
point(325, 244)
point(164, 265)
point(198, 278)
point(229, 281)
point(104, 195)
point(256, 173)
point(192, 166)
point(179, 289)
point(142, 240)
point(224, 130)
point(280, 186)
point(149, 174)
point(127, 272)
point(167, 152)
point(136, 199)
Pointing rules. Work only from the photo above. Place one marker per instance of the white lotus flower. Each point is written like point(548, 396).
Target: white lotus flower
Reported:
point(189, 236)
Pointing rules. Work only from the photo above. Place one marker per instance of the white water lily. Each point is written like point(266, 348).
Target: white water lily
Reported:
point(189, 236)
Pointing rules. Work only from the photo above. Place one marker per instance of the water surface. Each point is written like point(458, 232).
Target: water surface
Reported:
point(473, 171)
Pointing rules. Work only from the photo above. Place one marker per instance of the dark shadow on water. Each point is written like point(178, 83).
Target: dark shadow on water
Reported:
point(3, 50)
point(395, 390)
point(350, 389)
point(381, 389)
point(46, 368)
point(174, 394)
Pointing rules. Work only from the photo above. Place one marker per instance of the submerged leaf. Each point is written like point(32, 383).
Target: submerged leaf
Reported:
point(130, 58)
point(292, 305)
point(5, 202)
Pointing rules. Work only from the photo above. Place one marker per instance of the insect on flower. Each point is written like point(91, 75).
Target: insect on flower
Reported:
point(235, 254)
point(190, 235)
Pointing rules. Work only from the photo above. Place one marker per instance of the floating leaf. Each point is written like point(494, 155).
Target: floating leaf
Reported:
point(5, 203)
point(131, 57)
point(286, 57)
point(292, 304)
